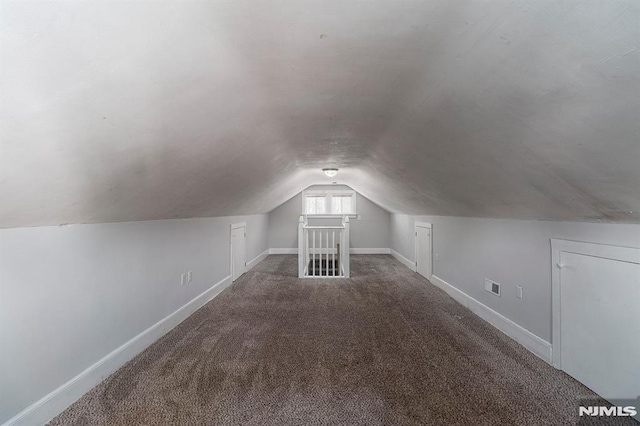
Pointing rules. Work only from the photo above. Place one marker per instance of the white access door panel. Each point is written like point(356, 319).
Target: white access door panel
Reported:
point(238, 252)
point(600, 323)
point(423, 251)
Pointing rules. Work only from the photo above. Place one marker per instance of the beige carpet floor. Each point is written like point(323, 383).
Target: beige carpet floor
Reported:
point(383, 348)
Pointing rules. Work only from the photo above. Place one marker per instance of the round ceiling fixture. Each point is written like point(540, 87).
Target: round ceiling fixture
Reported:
point(330, 172)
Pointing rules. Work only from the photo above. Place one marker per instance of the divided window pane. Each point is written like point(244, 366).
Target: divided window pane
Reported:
point(341, 204)
point(316, 205)
point(334, 204)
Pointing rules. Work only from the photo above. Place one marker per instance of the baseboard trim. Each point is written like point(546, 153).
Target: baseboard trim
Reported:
point(352, 251)
point(259, 258)
point(533, 343)
point(370, 251)
point(457, 295)
point(283, 251)
point(406, 262)
point(45, 409)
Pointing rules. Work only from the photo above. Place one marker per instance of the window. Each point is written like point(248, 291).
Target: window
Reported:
point(328, 202)
point(316, 205)
point(341, 204)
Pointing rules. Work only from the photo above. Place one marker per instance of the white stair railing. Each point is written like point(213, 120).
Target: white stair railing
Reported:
point(346, 265)
point(302, 253)
point(323, 251)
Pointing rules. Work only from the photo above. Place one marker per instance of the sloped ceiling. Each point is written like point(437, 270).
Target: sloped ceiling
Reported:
point(116, 111)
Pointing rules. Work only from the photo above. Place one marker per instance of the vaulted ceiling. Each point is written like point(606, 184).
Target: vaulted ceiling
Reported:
point(116, 111)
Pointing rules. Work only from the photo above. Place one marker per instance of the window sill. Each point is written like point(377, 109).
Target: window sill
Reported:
point(329, 216)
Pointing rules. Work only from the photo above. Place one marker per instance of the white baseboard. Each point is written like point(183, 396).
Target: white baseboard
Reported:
point(283, 251)
point(455, 294)
point(258, 259)
point(324, 251)
point(533, 343)
point(57, 401)
point(406, 262)
point(370, 251)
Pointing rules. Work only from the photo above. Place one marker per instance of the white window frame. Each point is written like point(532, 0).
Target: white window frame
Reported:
point(329, 193)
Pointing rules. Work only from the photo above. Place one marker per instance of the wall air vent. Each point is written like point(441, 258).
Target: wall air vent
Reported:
point(492, 287)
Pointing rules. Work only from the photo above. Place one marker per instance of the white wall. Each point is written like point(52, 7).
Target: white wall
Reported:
point(72, 294)
point(511, 252)
point(372, 230)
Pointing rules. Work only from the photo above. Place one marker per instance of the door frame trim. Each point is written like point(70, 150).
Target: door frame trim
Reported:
point(232, 227)
point(558, 246)
point(415, 233)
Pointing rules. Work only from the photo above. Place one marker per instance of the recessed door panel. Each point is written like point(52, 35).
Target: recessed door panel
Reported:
point(423, 252)
point(600, 323)
point(238, 252)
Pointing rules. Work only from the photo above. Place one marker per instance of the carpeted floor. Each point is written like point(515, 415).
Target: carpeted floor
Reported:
point(383, 348)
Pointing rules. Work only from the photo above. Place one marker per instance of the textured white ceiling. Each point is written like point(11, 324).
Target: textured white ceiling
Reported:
point(115, 111)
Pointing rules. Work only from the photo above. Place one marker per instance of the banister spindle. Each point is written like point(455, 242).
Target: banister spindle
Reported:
point(333, 252)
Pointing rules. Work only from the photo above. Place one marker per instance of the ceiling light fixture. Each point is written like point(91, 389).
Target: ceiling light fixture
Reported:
point(330, 172)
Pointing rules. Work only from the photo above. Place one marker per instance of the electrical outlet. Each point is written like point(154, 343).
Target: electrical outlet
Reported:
point(437, 257)
point(519, 292)
point(183, 279)
point(189, 276)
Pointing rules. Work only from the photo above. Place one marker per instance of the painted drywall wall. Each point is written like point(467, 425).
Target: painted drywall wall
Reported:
point(510, 252)
point(137, 110)
point(372, 230)
point(72, 294)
